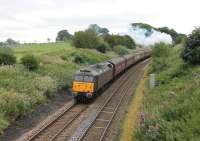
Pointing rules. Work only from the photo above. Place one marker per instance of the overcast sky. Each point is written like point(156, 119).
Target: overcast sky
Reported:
point(30, 20)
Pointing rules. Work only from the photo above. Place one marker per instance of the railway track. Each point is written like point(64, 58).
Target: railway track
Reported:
point(55, 127)
point(96, 127)
point(66, 135)
point(98, 121)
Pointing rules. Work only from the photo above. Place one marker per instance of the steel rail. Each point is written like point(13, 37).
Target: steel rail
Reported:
point(107, 101)
point(51, 122)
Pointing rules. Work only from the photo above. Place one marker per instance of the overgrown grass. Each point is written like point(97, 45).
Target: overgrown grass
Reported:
point(170, 111)
point(21, 90)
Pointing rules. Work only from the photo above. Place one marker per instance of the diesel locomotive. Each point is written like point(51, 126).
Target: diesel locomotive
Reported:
point(89, 81)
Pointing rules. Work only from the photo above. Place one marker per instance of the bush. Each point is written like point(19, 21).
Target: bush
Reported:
point(6, 56)
point(121, 50)
point(85, 39)
point(160, 53)
point(128, 42)
point(191, 53)
point(78, 58)
point(103, 47)
point(114, 40)
point(30, 62)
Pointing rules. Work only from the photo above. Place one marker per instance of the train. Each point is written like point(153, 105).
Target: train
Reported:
point(90, 81)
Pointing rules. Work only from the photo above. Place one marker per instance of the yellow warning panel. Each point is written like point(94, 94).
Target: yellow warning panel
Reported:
point(83, 87)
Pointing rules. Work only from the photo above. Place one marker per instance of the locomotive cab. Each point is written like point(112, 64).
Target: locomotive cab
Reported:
point(84, 84)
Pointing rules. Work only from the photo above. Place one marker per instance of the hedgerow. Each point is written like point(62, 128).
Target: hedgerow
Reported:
point(191, 52)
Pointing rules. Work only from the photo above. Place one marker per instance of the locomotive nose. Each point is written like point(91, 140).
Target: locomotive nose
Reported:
point(84, 87)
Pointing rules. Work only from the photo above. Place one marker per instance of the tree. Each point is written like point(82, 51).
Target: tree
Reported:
point(104, 31)
point(97, 29)
point(11, 42)
point(48, 40)
point(103, 46)
point(63, 35)
point(191, 52)
point(85, 39)
point(148, 28)
point(114, 40)
point(171, 32)
point(128, 42)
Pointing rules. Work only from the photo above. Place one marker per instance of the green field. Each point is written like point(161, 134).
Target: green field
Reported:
point(170, 111)
point(21, 91)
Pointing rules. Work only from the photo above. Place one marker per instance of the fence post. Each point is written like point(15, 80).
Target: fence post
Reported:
point(152, 81)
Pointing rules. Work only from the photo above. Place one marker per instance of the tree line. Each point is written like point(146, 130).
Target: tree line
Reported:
point(96, 37)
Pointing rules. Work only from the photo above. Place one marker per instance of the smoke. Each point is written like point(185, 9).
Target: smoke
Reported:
point(148, 37)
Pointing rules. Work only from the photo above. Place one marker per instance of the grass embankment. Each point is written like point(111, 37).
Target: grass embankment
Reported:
point(21, 91)
point(170, 111)
point(133, 110)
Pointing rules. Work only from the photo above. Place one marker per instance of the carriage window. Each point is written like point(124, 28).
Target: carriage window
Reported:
point(78, 78)
point(88, 78)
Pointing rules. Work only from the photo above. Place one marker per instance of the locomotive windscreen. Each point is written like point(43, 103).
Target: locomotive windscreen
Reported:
point(84, 78)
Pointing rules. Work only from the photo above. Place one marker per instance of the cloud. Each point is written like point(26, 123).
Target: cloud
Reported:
point(39, 19)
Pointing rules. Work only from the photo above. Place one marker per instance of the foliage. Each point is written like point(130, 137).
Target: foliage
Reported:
point(63, 35)
point(6, 56)
point(191, 52)
point(151, 129)
point(171, 32)
point(170, 110)
point(97, 29)
point(160, 53)
point(103, 46)
point(30, 62)
point(114, 40)
point(176, 37)
point(21, 91)
point(128, 42)
point(180, 39)
point(144, 26)
point(121, 50)
point(85, 39)
point(79, 58)
point(11, 42)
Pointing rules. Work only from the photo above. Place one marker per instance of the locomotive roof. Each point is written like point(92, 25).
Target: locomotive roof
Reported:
point(116, 60)
point(94, 69)
point(128, 56)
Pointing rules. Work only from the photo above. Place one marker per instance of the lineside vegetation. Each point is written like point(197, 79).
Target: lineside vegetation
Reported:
point(170, 111)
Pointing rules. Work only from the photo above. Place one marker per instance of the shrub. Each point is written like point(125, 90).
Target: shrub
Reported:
point(79, 58)
point(103, 47)
point(114, 40)
point(160, 53)
point(6, 56)
point(30, 62)
point(121, 50)
point(180, 39)
point(85, 39)
point(191, 53)
point(128, 42)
